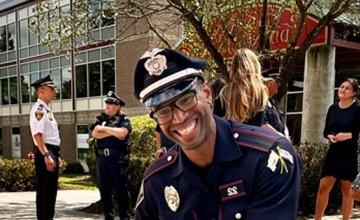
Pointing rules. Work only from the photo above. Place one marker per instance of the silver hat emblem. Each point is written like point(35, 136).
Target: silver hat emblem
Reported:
point(155, 65)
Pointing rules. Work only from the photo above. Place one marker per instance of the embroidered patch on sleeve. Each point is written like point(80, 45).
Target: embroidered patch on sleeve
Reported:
point(39, 115)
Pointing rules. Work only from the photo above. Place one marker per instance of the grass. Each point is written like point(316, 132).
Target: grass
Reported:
point(76, 182)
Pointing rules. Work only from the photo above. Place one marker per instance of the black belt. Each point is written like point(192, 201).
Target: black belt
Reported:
point(107, 152)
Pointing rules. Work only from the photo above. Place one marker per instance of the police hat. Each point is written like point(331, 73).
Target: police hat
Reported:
point(111, 97)
point(271, 74)
point(47, 80)
point(162, 74)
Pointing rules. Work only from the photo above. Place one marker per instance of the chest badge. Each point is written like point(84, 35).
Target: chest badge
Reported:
point(50, 115)
point(172, 198)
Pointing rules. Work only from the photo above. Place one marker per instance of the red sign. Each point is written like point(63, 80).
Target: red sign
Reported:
point(243, 24)
point(286, 28)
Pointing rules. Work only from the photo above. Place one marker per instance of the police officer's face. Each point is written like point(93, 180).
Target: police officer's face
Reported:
point(112, 109)
point(47, 93)
point(192, 128)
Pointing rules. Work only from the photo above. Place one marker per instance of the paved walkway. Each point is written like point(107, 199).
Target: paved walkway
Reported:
point(21, 205)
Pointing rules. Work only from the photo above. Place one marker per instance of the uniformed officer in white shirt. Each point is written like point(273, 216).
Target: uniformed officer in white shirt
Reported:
point(45, 133)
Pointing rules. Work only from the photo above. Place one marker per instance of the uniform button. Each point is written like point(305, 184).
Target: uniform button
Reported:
point(169, 158)
point(236, 135)
point(238, 215)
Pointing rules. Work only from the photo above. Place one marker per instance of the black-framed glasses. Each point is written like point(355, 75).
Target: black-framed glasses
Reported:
point(185, 103)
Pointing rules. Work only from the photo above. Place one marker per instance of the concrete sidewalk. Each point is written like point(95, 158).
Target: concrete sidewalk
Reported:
point(21, 205)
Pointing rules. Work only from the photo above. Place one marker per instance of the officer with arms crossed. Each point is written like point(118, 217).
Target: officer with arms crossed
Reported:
point(45, 133)
point(111, 130)
point(219, 169)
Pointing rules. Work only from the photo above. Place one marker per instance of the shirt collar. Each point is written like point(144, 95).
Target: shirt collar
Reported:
point(43, 103)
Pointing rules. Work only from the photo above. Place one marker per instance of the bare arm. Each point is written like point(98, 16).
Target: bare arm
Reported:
point(99, 133)
point(120, 133)
point(49, 161)
point(40, 143)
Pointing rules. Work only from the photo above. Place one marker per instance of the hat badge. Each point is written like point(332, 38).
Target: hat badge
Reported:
point(172, 198)
point(155, 65)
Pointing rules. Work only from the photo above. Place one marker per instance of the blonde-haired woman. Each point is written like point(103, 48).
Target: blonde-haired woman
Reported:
point(245, 96)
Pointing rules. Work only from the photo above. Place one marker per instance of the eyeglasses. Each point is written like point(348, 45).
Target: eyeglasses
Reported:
point(185, 103)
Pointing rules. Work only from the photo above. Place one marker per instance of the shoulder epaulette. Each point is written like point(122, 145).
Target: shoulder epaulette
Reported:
point(40, 107)
point(254, 139)
point(161, 163)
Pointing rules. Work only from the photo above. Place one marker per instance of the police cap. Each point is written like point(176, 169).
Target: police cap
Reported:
point(162, 74)
point(111, 97)
point(47, 80)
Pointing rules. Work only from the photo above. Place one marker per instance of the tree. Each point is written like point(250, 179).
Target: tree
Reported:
point(197, 20)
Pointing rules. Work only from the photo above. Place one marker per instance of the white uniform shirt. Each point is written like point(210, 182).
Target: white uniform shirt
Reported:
point(42, 121)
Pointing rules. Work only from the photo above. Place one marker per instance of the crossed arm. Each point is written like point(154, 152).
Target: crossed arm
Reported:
point(101, 132)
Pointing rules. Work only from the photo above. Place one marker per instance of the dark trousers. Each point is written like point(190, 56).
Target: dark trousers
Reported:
point(112, 176)
point(46, 184)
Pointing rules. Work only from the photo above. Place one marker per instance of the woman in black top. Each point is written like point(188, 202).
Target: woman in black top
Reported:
point(342, 129)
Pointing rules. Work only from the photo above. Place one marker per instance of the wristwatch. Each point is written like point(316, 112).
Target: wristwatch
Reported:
point(46, 154)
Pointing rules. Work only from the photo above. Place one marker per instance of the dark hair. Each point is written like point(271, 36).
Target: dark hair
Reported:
point(216, 85)
point(354, 84)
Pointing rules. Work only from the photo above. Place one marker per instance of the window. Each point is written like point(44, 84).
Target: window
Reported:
point(25, 88)
point(33, 78)
point(4, 91)
point(3, 42)
point(24, 38)
point(57, 81)
point(66, 83)
point(15, 142)
point(11, 37)
point(294, 101)
point(94, 79)
point(97, 67)
point(81, 81)
point(82, 135)
point(293, 123)
point(108, 68)
point(13, 90)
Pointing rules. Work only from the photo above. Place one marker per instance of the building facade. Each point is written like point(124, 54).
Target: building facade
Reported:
point(96, 69)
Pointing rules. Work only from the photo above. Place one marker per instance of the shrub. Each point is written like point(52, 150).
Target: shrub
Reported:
point(312, 157)
point(74, 168)
point(16, 175)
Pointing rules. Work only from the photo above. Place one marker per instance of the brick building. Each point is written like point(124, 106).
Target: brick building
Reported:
point(99, 68)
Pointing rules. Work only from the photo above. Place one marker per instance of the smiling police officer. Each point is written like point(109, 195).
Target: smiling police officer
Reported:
point(111, 130)
point(45, 133)
point(219, 169)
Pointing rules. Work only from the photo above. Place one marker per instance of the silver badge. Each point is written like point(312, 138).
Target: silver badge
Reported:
point(156, 65)
point(172, 198)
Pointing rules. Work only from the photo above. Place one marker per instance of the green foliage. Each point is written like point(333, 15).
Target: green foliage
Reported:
point(16, 175)
point(312, 157)
point(74, 168)
point(142, 138)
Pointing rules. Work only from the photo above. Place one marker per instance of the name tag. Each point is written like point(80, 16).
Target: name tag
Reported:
point(232, 190)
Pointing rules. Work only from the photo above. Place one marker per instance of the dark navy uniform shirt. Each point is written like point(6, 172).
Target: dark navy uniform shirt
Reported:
point(255, 175)
point(112, 142)
point(275, 117)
